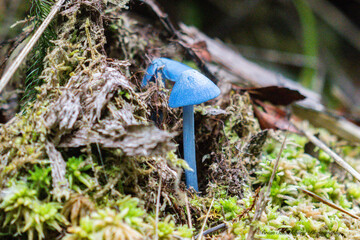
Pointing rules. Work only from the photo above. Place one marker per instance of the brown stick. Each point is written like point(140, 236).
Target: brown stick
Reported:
point(188, 212)
point(157, 210)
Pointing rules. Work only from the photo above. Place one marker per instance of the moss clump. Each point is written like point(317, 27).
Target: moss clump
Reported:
point(22, 212)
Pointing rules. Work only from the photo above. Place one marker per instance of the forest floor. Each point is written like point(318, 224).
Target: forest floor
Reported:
point(97, 156)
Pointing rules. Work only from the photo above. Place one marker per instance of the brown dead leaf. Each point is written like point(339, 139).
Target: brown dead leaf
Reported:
point(273, 118)
point(275, 94)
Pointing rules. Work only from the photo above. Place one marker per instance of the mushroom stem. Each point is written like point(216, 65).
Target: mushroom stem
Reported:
point(189, 146)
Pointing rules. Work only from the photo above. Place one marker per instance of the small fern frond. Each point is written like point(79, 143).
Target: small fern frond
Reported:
point(40, 10)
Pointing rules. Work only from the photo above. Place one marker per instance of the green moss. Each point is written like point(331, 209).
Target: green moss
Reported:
point(77, 174)
point(22, 212)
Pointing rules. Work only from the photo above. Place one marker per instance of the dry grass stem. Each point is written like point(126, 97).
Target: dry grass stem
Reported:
point(264, 197)
point(157, 210)
point(206, 218)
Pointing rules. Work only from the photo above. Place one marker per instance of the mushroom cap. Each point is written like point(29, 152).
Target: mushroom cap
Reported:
point(168, 68)
point(192, 88)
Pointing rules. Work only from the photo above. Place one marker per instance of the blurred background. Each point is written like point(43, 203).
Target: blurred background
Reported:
point(315, 42)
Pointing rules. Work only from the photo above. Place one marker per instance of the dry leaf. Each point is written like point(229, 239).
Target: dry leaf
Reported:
point(275, 94)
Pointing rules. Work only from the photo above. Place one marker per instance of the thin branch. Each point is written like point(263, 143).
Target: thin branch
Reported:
point(20, 58)
point(329, 203)
point(14, 43)
point(247, 210)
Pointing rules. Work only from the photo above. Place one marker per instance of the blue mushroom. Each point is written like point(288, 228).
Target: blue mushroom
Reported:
point(191, 88)
point(169, 69)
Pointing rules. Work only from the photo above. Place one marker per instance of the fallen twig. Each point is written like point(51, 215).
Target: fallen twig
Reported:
point(329, 203)
point(14, 66)
point(247, 210)
point(14, 43)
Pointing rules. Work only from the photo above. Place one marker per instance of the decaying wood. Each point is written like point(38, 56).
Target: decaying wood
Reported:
point(247, 71)
point(133, 140)
point(79, 117)
point(63, 113)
